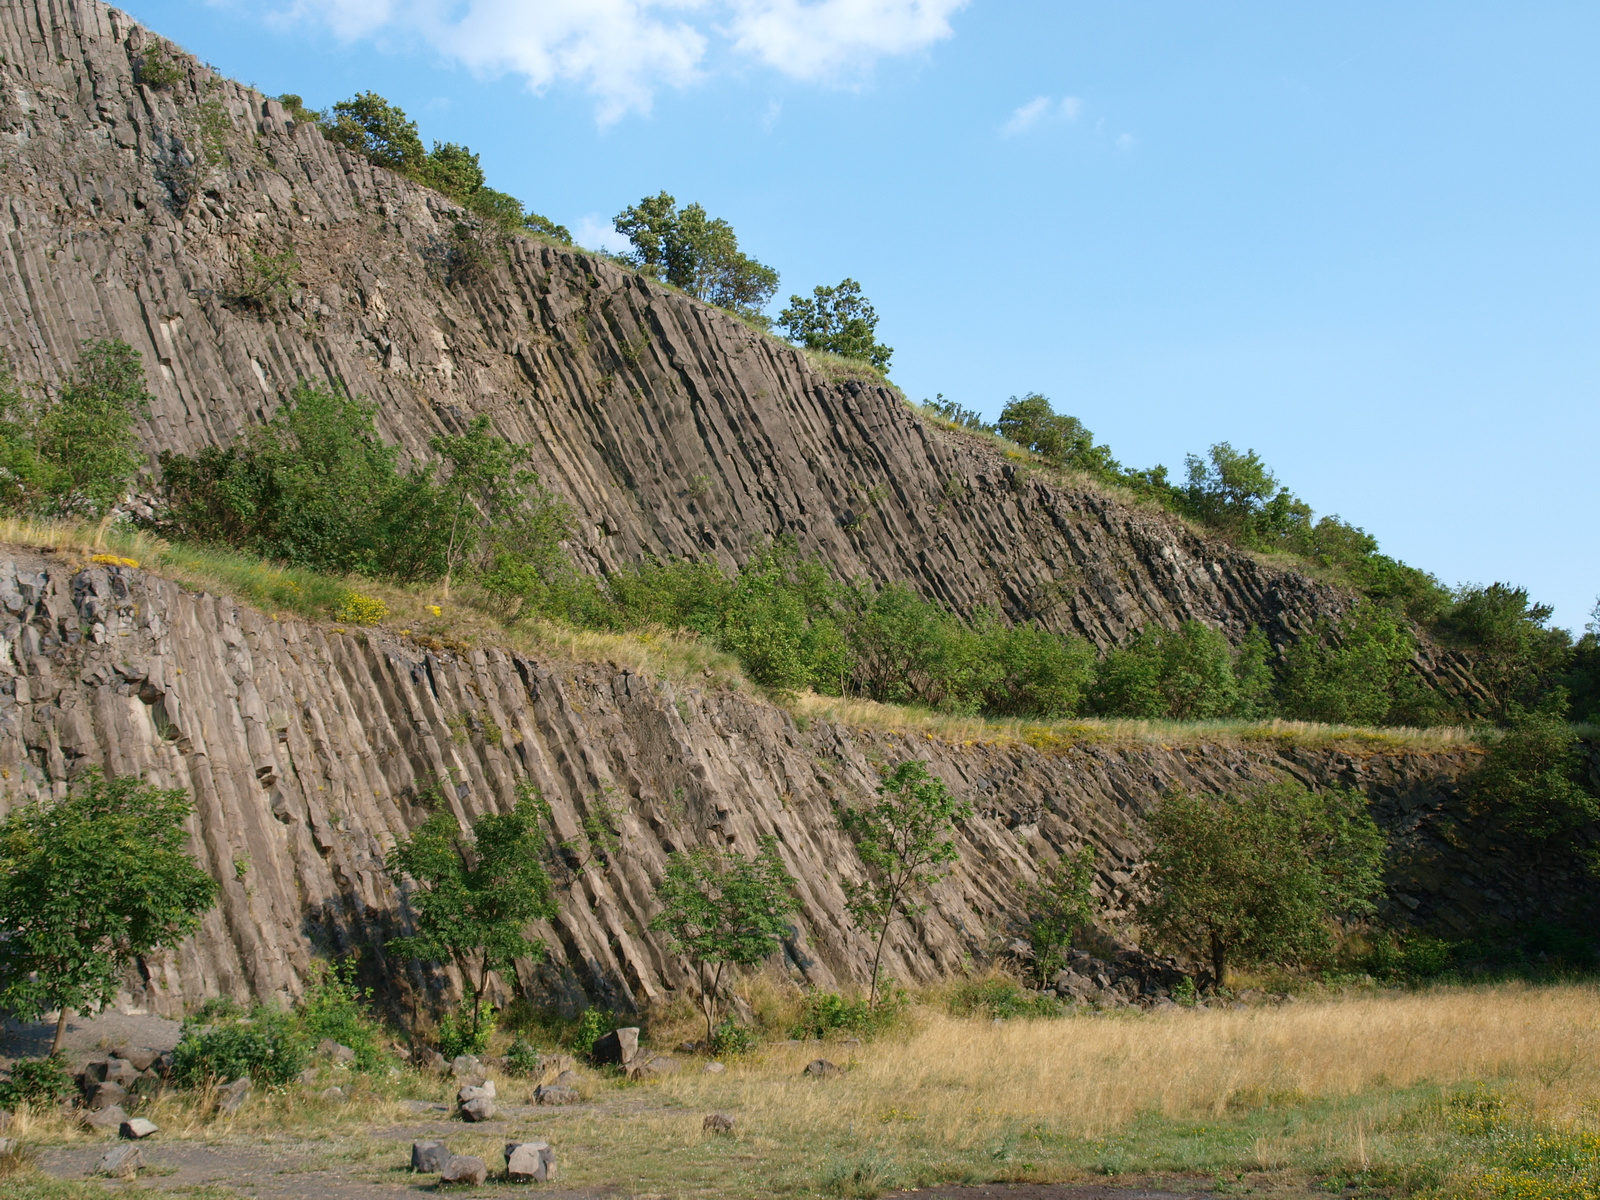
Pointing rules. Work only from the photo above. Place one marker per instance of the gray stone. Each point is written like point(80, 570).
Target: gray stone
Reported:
point(530, 1162)
point(121, 1071)
point(105, 1119)
point(549, 1068)
point(104, 1095)
point(121, 1162)
point(481, 1109)
point(463, 1168)
point(550, 1093)
point(566, 1079)
point(309, 1076)
point(136, 1128)
point(328, 1048)
point(464, 1065)
point(426, 1058)
point(429, 1156)
point(713, 1068)
point(718, 1123)
point(618, 1048)
point(332, 1095)
point(821, 1068)
point(8, 1146)
point(5, 1119)
point(231, 1096)
point(654, 1066)
point(142, 1057)
point(476, 1091)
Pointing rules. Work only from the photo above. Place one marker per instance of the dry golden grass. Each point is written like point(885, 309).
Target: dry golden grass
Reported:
point(1065, 734)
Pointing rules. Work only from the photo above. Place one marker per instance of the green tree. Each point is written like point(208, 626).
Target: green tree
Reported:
point(839, 320)
point(1358, 673)
point(74, 452)
point(87, 885)
point(1055, 437)
point(1531, 782)
point(473, 897)
point(1186, 674)
point(1059, 903)
point(453, 170)
point(695, 252)
point(1243, 880)
point(371, 126)
point(721, 909)
point(904, 842)
point(1236, 494)
point(1515, 655)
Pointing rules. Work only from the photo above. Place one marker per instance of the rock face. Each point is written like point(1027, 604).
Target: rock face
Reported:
point(306, 750)
point(672, 427)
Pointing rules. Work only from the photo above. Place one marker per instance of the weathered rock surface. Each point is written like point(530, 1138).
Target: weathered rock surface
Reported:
point(672, 427)
point(530, 1162)
point(306, 748)
point(121, 1162)
point(429, 1156)
point(464, 1168)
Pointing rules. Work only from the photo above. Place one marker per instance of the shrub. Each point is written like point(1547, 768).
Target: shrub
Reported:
point(1190, 673)
point(827, 1013)
point(999, 997)
point(336, 1007)
point(592, 1026)
point(36, 1082)
point(157, 69)
point(1358, 673)
point(466, 1029)
point(838, 320)
point(268, 1045)
point(1533, 783)
point(697, 253)
point(522, 1058)
point(731, 1037)
point(1059, 903)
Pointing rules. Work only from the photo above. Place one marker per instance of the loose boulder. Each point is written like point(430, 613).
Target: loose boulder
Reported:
point(231, 1096)
point(718, 1123)
point(142, 1057)
point(476, 1091)
point(464, 1065)
point(713, 1068)
point(550, 1093)
point(481, 1109)
point(105, 1119)
point(136, 1128)
point(104, 1095)
point(5, 1119)
point(530, 1162)
point(618, 1047)
point(463, 1168)
point(121, 1162)
point(821, 1069)
point(328, 1048)
point(429, 1156)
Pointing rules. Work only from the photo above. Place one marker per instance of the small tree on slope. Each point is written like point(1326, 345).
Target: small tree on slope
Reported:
point(88, 884)
point(904, 841)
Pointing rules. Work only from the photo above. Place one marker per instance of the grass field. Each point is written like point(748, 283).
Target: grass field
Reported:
point(1490, 1092)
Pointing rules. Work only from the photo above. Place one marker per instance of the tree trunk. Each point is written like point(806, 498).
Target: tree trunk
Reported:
point(61, 1028)
point(1219, 963)
point(877, 957)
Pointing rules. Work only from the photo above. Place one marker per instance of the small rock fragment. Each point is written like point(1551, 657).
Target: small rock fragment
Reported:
point(232, 1095)
point(463, 1168)
point(718, 1123)
point(106, 1119)
point(476, 1091)
point(135, 1128)
point(121, 1162)
point(530, 1162)
point(654, 1067)
point(7, 1146)
point(549, 1093)
point(5, 1119)
point(821, 1069)
point(333, 1095)
point(429, 1156)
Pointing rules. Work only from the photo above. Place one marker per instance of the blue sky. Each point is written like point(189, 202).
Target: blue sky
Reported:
point(1362, 239)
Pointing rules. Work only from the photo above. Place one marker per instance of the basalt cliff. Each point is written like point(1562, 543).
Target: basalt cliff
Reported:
point(672, 428)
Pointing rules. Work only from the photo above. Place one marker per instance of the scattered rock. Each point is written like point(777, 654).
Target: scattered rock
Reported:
point(135, 1128)
point(5, 1119)
point(8, 1145)
point(464, 1065)
point(105, 1095)
point(429, 1156)
point(482, 1089)
point(717, 1123)
point(106, 1119)
point(308, 1076)
point(713, 1068)
point(481, 1109)
point(550, 1068)
point(549, 1093)
point(463, 1168)
point(654, 1067)
point(688, 1047)
point(619, 1047)
point(142, 1057)
point(120, 1071)
point(821, 1069)
point(333, 1095)
point(121, 1162)
point(231, 1096)
point(530, 1162)
point(567, 1079)
point(328, 1048)
point(427, 1058)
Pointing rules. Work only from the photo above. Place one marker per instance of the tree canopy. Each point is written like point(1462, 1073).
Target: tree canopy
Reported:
point(700, 254)
point(839, 320)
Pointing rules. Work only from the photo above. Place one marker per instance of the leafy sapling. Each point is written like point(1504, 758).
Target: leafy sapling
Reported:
point(904, 842)
point(1060, 903)
point(721, 909)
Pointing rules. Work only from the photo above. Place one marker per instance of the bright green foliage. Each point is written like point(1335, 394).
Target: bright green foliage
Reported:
point(1514, 653)
point(465, 1030)
point(88, 884)
point(1001, 998)
point(547, 228)
point(221, 1043)
point(522, 1058)
point(732, 1038)
point(1532, 782)
point(1055, 437)
point(697, 253)
point(1259, 878)
point(335, 1006)
point(453, 170)
point(904, 842)
point(1354, 552)
point(73, 453)
point(1581, 680)
point(839, 320)
point(1187, 674)
point(1358, 674)
point(1059, 904)
point(721, 909)
point(827, 1013)
point(36, 1082)
point(371, 126)
point(157, 69)
point(592, 1026)
point(295, 106)
point(1236, 493)
point(473, 897)
point(957, 414)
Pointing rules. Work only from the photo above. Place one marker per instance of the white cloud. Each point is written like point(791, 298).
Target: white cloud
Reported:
point(1125, 142)
point(1042, 108)
point(624, 51)
point(594, 232)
